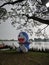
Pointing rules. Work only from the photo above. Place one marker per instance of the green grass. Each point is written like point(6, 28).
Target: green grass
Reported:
point(31, 58)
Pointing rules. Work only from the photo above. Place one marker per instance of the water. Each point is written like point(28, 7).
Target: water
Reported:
point(10, 43)
point(36, 45)
point(40, 45)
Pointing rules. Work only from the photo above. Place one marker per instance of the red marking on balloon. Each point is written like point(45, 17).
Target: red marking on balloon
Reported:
point(21, 40)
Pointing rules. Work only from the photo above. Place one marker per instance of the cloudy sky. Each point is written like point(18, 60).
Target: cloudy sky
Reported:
point(7, 31)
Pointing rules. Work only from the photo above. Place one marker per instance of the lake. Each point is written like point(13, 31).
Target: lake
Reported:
point(38, 45)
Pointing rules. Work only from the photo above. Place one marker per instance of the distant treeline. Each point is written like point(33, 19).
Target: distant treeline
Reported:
point(35, 40)
point(8, 40)
point(40, 40)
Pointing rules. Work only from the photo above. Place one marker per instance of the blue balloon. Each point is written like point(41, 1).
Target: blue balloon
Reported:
point(25, 46)
point(25, 35)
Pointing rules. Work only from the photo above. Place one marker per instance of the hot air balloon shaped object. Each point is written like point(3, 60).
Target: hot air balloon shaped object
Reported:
point(23, 42)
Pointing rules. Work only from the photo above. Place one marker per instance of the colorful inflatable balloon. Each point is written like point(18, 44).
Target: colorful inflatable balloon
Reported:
point(23, 39)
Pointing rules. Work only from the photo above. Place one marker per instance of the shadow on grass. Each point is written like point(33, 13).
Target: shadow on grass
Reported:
point(0, 63)
point(18, 58)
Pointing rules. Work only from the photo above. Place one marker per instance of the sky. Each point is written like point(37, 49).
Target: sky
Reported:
point(7, 31)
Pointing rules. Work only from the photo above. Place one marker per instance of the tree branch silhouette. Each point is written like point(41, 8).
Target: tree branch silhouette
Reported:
point(12, 3)
point(38, 19)
point(29, 17)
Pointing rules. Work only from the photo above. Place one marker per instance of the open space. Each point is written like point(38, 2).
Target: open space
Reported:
point(30, 58)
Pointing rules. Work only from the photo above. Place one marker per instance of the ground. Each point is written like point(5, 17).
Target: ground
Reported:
point(30, 58)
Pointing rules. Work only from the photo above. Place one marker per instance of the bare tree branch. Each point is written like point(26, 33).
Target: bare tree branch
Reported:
point(39, 32)
point(18, 1)
point(38, 19)
point(44, 27)
point(29, 17)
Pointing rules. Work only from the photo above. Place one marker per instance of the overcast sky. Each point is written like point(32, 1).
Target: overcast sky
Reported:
point(7, 31)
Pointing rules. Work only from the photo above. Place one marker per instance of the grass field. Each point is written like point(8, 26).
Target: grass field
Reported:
point(30, 58)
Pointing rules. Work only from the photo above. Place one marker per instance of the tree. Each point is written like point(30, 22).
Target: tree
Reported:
point(27, 14)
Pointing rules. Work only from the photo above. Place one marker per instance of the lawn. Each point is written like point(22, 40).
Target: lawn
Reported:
point(30, 58)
